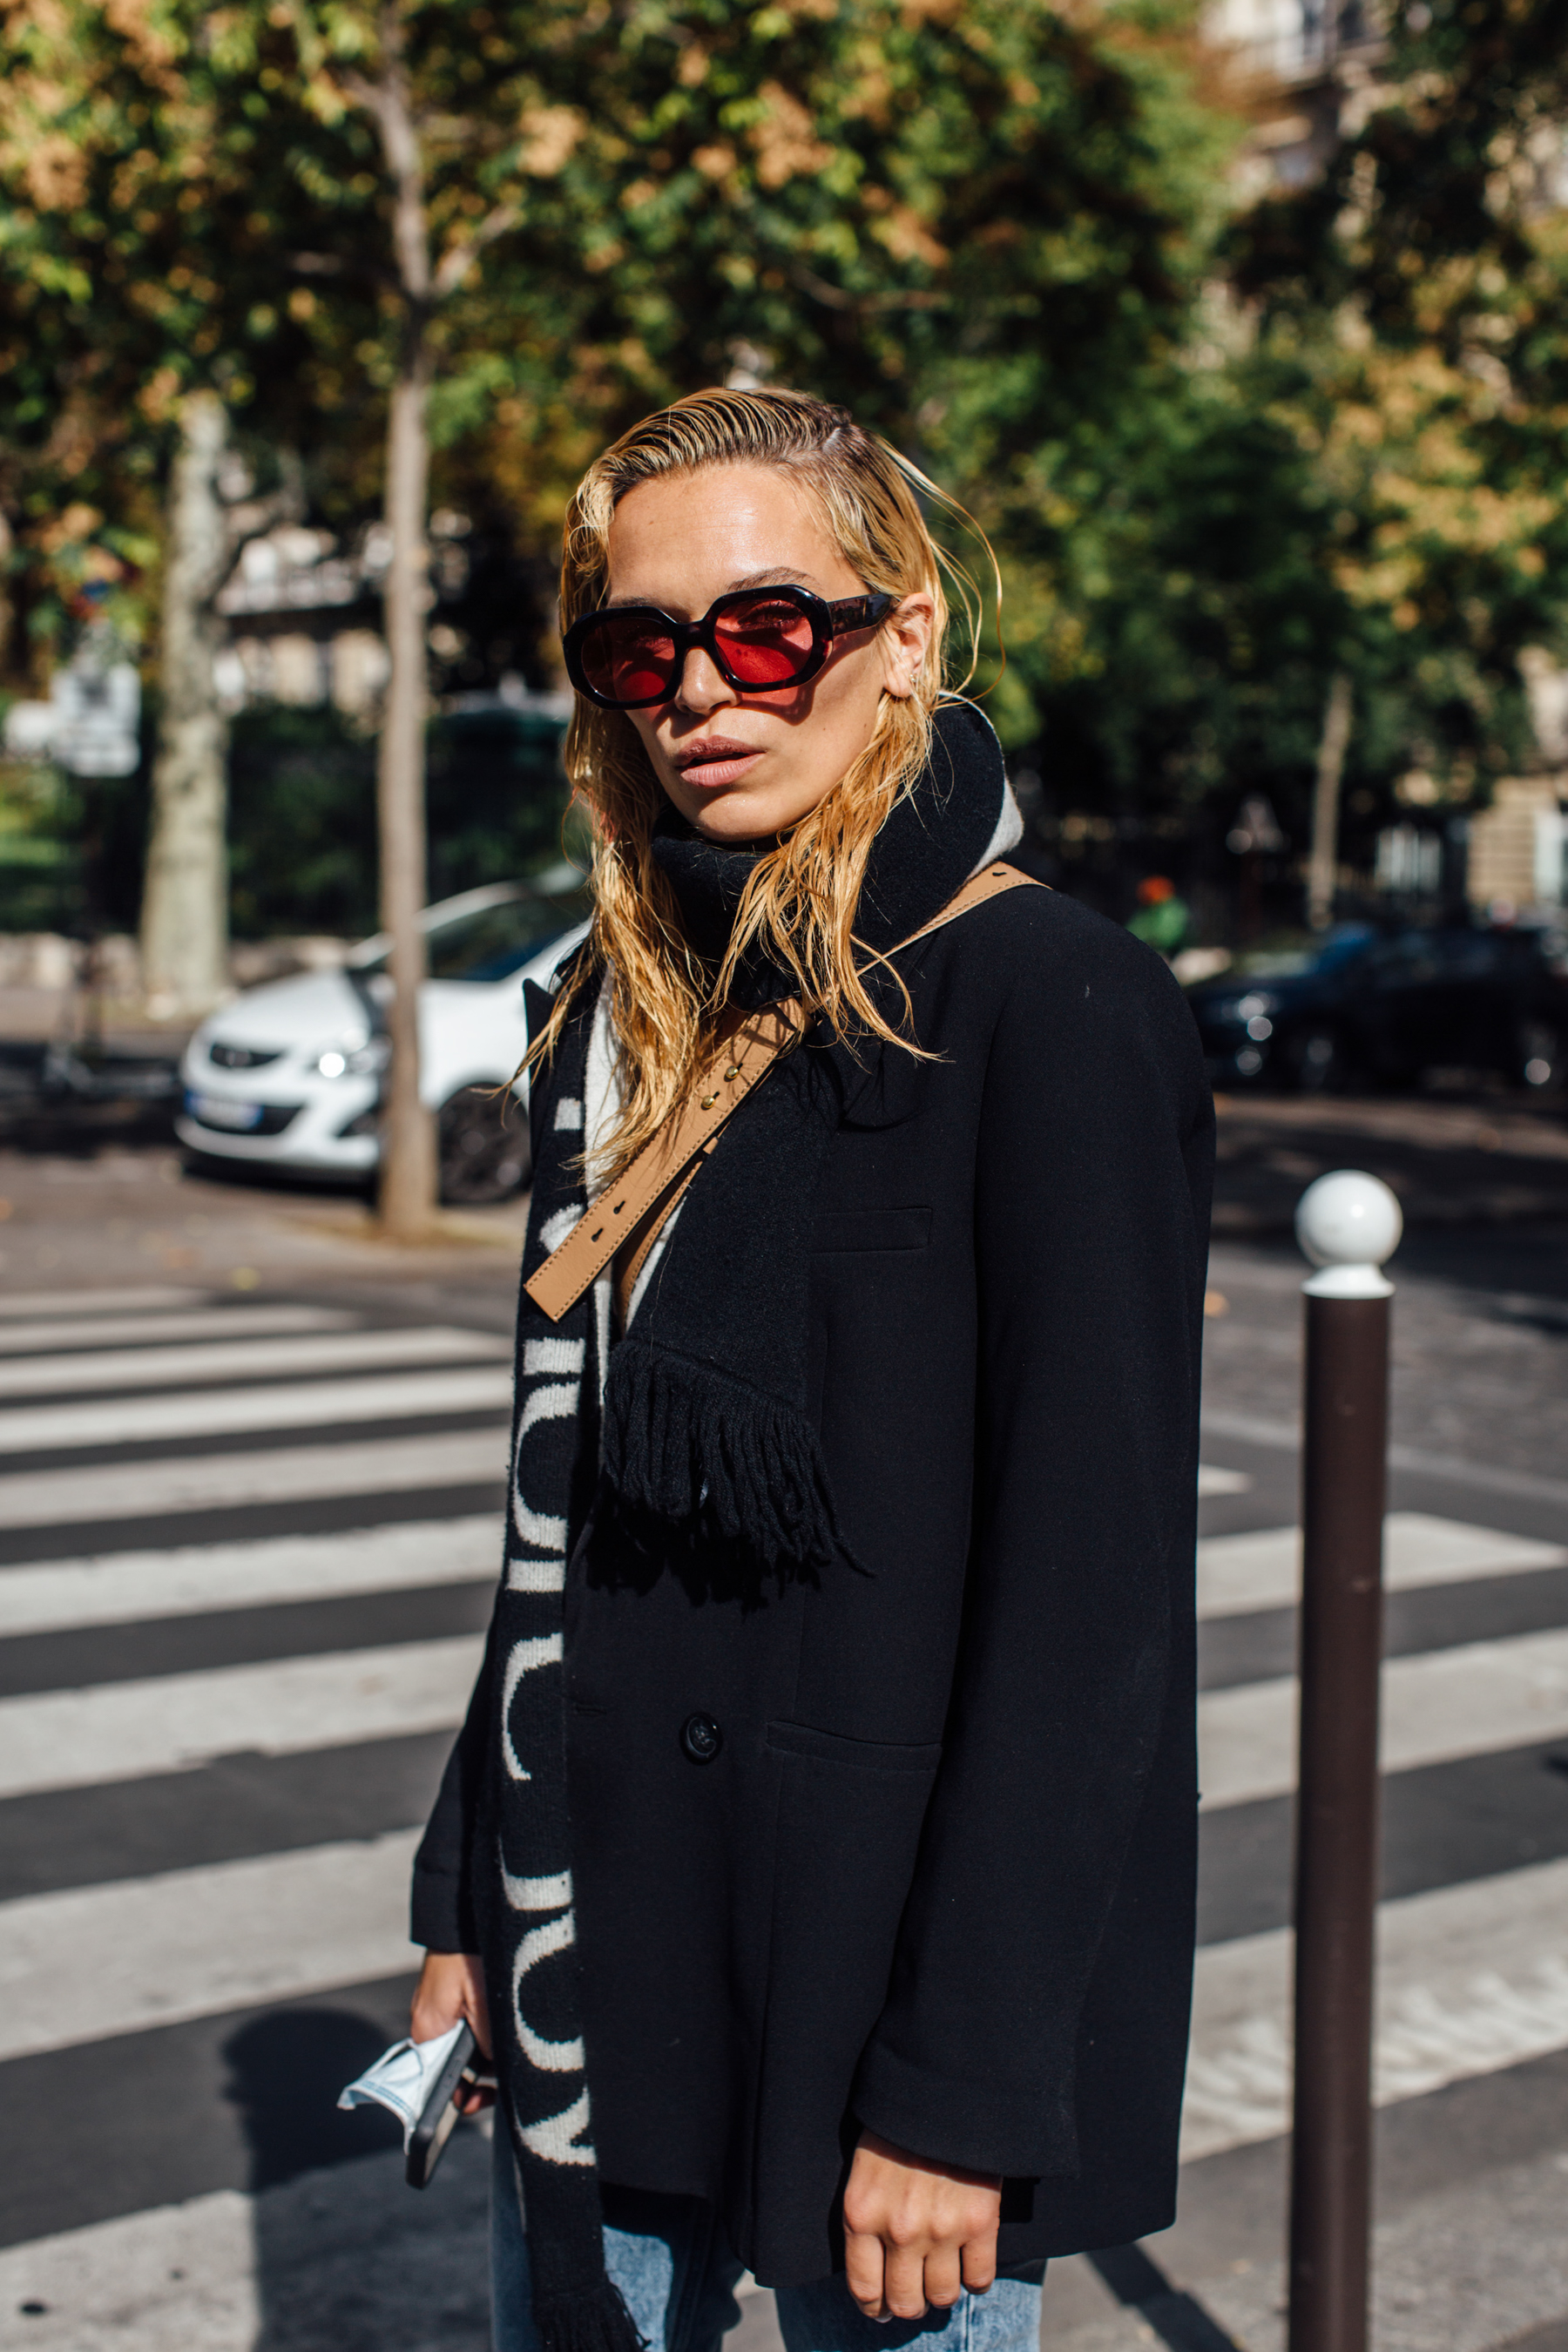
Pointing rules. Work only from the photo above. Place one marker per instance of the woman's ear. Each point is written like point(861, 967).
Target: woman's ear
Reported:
point(906, 640)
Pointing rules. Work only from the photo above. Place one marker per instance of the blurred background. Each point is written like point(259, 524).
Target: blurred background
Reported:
point(1241, 332)
point(1238, 331)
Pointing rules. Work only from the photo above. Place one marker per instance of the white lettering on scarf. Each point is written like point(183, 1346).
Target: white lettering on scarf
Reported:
point(537, 1575)
point(552, 1894)
point(555, 1230)
point(538, 1650)
point(543, 1944)
point(553, 1401)
point(552, 2139)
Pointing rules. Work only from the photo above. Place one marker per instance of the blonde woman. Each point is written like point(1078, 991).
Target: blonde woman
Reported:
point(820, 1842)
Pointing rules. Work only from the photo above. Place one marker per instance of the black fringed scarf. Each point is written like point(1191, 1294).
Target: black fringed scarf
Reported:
point(704, 1427)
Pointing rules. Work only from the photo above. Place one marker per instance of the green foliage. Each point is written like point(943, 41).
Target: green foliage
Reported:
point(71, 848)
point(998, 230)
point(302, 813)
point(302, 848)
point(1411, 311)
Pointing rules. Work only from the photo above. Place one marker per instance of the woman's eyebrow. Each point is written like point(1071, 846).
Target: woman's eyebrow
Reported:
point(779, 575)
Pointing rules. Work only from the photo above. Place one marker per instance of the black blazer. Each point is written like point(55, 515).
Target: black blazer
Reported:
point(911, 1845)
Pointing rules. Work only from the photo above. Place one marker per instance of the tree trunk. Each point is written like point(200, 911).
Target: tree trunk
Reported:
point(408, 1170)
point(185, 907)
point(1323, 864)
point(7, 610)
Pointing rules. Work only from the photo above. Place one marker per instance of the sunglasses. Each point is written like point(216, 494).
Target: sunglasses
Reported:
point(625, 657)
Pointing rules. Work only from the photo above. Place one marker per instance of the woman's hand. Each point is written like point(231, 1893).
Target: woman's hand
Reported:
point(916, 2232)
point(451, 1991)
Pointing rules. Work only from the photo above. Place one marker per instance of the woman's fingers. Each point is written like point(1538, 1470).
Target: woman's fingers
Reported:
point(903, 2282)
point(476, 2008)
point(863, 2270)
point(450, 1992)
point(944, 2276)
point(980, 2264)
point(439, 1997)
point(914, 2232)
point(451, 1987)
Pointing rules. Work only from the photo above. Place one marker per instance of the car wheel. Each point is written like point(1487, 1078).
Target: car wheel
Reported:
point(483, 1142)
point(1541, 1057)
point(1318, 1060)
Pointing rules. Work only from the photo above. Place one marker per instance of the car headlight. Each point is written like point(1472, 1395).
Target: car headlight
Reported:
point(353, 1061)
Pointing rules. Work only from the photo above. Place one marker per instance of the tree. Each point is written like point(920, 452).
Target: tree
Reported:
point(185, 907)
point(664, 189)
point(412, 85)
point(1413, 305)
point(147, 205)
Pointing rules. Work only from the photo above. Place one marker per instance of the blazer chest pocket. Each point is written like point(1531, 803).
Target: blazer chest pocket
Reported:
point(860, 1755)
point(870, 1229)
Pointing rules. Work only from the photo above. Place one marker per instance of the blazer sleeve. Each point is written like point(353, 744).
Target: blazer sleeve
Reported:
point(1092, 1180)
point(442, 1914)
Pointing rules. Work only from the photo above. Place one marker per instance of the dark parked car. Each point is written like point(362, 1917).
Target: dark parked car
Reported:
point(1388, 1005)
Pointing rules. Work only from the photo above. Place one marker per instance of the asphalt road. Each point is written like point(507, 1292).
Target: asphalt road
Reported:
point(249, 1480)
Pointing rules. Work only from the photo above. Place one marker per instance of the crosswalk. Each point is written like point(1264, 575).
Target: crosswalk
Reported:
point(246, 1554)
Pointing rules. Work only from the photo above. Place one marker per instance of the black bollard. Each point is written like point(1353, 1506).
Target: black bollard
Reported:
point(1348, 1224)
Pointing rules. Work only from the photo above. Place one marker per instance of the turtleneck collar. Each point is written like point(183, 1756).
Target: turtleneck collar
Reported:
point(928, 848)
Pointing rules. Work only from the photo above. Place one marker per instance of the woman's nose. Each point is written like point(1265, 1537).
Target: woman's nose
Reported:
point(701, 686)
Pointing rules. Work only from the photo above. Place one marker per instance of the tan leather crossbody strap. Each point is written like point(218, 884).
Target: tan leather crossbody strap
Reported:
point(748, 1045)
point(641, 1201)
point(633, 1254)
point(989, 883)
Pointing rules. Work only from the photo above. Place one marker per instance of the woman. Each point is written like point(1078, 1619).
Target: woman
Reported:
point(827, 1803)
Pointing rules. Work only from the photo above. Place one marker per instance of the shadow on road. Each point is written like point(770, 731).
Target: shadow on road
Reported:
point(347, 2258)
point(1477, 1161)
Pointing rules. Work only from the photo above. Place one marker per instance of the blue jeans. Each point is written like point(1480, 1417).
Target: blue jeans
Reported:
point(669, 2257)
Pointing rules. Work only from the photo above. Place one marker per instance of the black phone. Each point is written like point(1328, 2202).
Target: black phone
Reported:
point(440, 2114)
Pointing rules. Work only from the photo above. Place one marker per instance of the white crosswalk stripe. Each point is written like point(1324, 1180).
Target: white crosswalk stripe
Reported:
point(322, 1404)
point(141, 1490)
point(1474, 1975)
point(1464, 1986)
point(92, 1962)
point(120, 1332)
point(119, 1588)
point(1449, 1703)
point(148, 1299)
point(74, 1740)
point(1240, 1573)
point(247, 1359)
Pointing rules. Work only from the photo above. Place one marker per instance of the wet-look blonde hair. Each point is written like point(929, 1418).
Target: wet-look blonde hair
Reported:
point(799, 903)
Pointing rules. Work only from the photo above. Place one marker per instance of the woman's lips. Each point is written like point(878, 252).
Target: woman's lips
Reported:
point(711, 765)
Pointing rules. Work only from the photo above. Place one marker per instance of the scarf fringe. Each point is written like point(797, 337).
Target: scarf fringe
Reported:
point(595, 2322)
point(687, 1443)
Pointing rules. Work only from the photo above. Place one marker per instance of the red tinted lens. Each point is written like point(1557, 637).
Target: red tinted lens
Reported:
point(766, 641)
point(630, 658)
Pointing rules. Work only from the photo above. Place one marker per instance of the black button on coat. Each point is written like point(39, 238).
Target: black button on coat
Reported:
point(936, 1878)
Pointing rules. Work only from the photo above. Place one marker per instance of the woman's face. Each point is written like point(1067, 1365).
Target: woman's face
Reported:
point(742, 766)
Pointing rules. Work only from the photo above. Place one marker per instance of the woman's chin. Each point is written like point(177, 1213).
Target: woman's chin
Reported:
point(735, 815)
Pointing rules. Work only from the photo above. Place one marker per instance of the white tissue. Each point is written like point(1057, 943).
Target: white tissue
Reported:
point(401, 2079)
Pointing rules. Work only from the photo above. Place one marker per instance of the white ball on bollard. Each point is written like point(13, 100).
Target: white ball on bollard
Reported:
point(1347, 1223)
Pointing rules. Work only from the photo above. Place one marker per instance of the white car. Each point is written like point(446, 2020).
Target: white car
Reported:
point(289, 1075)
